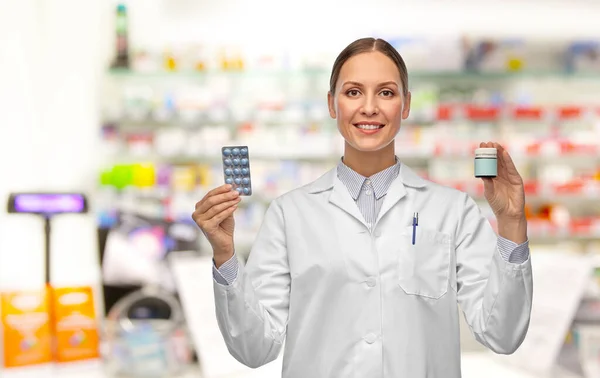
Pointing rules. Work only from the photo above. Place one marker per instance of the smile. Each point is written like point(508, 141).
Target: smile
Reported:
point(369, 125)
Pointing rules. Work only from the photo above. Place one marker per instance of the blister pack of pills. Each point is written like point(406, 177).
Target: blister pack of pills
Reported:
point(236, 168)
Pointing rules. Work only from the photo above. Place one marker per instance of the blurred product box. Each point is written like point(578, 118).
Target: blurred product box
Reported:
point(511, 55)
point(26, 328)
point(583, 56)
point(75, 324)
point(422, 54)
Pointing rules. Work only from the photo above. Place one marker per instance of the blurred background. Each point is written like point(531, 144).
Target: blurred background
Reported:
point(126, 105)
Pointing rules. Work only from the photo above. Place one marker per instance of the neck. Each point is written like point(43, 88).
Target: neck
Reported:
point(369, 163)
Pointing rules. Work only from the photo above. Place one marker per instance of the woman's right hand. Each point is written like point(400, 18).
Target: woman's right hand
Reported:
point(214, 216)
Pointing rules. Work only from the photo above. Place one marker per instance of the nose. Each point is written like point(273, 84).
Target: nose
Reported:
point(369, 106)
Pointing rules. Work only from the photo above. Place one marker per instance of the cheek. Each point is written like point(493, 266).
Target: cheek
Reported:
point(345, 110)
point(393, 112)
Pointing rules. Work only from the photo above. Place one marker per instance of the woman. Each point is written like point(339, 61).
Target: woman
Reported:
point(339, 270)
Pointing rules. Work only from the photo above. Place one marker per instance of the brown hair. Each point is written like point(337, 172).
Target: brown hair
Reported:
point(366, 45)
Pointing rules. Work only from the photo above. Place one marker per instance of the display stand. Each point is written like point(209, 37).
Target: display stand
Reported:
point(48, 205)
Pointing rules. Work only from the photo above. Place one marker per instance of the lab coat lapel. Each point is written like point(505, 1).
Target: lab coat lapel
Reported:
point(340, 196)
point(395, 193)
point(397, 190)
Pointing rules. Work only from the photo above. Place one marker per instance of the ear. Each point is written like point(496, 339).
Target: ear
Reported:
point(406, 107)
point(331, 104)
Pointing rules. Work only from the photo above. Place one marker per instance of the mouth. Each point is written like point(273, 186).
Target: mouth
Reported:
point(369, 127)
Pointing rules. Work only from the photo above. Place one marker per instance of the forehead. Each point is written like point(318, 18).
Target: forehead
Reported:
point(369, 68)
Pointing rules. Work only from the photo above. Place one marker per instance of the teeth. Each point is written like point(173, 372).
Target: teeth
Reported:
point(368, 127)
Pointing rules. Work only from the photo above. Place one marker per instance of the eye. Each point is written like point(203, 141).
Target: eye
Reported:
point(387, 93)
point(352, 92)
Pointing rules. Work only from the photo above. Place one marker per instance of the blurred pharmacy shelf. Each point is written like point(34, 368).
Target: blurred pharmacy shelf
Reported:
point(419, 75)
point(163, 129)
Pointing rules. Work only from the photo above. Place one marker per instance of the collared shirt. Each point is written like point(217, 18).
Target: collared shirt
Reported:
point(369, 194)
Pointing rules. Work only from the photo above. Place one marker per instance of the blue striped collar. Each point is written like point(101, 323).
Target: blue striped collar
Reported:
point(354, 181)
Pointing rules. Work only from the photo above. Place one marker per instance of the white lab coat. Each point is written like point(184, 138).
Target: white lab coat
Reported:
point(351, 303)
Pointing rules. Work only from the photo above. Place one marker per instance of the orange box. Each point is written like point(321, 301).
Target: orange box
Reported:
point(27, 335)
point(75, 325)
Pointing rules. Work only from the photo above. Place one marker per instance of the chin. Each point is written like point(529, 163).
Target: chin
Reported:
point(366, 143)
point(369, 145)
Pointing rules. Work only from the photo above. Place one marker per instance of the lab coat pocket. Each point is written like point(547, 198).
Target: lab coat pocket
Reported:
point(424, 267)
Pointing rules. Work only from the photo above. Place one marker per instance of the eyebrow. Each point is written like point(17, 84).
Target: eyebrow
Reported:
point(380, 84)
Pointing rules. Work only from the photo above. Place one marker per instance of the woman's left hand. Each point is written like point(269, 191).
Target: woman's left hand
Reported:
point(505, 192)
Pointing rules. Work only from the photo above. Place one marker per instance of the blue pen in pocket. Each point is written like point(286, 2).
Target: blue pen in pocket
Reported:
point(415, 224)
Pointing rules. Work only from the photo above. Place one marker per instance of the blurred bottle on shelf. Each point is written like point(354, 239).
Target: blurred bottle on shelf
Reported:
point(230, 59)
point(198, 58)
point(122, 43)
point(170, 61)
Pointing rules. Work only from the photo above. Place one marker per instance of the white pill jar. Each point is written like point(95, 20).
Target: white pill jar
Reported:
point(486, 162)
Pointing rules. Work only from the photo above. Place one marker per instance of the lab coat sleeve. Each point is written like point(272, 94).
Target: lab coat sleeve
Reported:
point(252, 312)
point(494, 294)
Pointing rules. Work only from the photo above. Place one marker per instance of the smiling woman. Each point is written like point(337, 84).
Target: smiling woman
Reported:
point(359, 273)
point(369, 98)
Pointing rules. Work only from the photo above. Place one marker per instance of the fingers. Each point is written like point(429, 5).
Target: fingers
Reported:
point(506, 166)
point(216, 215)
point(219, 189)
point(504, 159)
point(495, 145)
point(216, 191)
point(508, 162)
point(220, 217)
point(501, 153)
point(488, 184)
point(209, 201)
point(217, 209)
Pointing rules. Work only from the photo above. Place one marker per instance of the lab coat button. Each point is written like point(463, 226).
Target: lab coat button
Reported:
point(370, 338)
point(371, 282)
